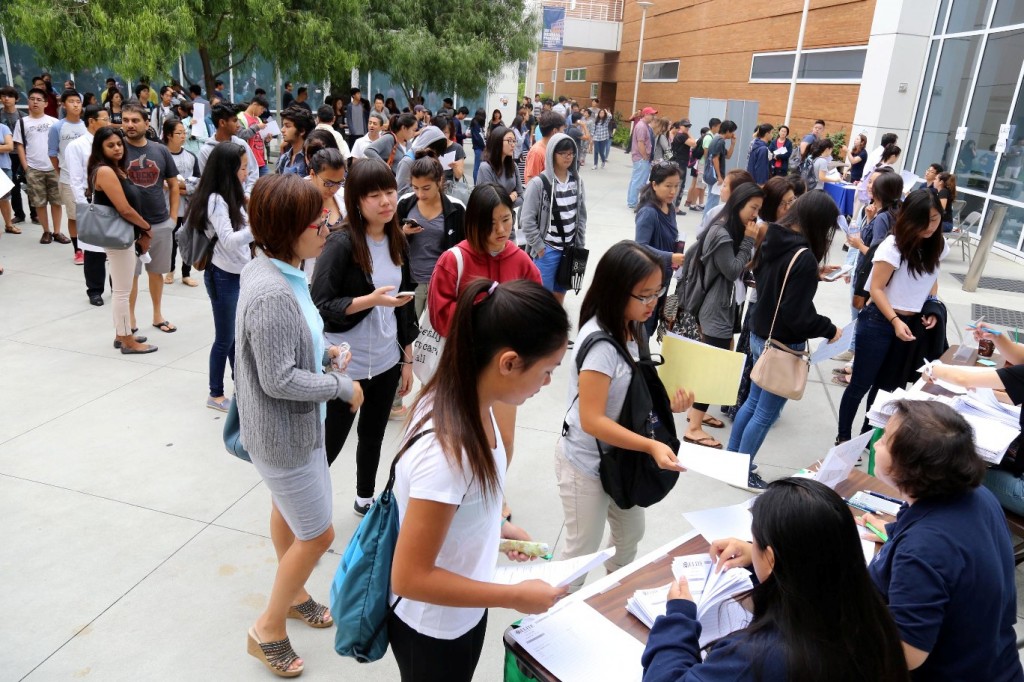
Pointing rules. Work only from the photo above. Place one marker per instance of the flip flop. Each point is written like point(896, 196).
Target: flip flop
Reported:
point(11, 229)
point(841, 371)
point(166, 327)
point(703, 442)
point(838, 380)
point(711, 421)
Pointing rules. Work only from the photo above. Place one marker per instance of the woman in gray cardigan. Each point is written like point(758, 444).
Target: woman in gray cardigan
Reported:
point(727, 247)
point(281, 389)
point(499, 164)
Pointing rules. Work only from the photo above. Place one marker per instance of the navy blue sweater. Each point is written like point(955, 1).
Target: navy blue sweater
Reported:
point(673, 652)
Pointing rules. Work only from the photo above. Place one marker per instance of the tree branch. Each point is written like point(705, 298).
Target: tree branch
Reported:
point(244, 59)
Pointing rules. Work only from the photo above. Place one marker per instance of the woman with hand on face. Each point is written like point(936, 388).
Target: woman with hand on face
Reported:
point(363, 267)
point(627, 284)
point(281, 388)
point(656, 225)
point(946, 569)
point(504, 342)
point(904, 279)
point(817, 615)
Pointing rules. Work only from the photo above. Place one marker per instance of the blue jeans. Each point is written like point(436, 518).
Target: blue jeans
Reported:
point(875, 337)
point(1007, 488)
point(222, 287)
point(760, 410)
point(478, 157)
point(711, 200)
point(601, 150)
point(264, 170)
point(548, 266)
point(641, 174)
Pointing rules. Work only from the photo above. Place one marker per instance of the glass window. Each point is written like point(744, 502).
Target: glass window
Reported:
point(832, 65)
point(1007, 220)
point(915, 131)
point(594, 89)
point(947, 100)
point(968, 15)
point(772, 67)
point(972, 204)
point(1008, 13)
point(661, 71)
point(940, 20)
point(990, 108)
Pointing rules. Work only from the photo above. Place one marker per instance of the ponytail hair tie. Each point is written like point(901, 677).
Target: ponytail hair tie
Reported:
point(494, 285)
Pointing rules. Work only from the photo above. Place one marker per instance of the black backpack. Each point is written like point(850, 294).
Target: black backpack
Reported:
point(633, 478)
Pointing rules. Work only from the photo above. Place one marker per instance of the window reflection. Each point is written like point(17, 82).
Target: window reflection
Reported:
point(1007, 220)
point(947, 100)
point(968, 15)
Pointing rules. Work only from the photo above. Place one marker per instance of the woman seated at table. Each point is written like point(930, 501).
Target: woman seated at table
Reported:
point(947, 568)
point(1007, 480)
point(816, 614)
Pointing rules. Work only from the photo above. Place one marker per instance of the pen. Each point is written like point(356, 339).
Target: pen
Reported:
point(857, 506)
point(885, 497)
point(993, 332)
point(880, 534)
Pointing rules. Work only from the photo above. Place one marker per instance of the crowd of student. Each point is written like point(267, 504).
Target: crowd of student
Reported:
point(319, 268)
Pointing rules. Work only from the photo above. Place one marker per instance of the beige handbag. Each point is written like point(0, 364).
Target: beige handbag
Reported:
point(780, 369)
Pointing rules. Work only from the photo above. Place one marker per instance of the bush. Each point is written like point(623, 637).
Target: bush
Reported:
point(621, 134)
point(838, 140)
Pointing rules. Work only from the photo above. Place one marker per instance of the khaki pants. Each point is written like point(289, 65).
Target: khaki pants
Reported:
point(121, 266)
point(587, 506)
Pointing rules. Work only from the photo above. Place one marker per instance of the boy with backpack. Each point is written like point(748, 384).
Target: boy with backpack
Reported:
point(695, 197)
point(718, 152)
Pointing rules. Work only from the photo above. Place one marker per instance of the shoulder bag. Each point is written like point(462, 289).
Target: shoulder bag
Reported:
point(429, 344)
point(103, 226)
point(780, 369)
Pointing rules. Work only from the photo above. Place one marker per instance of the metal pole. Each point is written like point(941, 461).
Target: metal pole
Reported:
point(640, 53)
point(796, 61)
point(231, 72)
point(554, 81)
point(996, 214)
point(7, 59)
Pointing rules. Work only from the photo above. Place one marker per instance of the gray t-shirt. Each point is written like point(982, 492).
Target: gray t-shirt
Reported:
point(579, 447)
point(820, 164)
point(425, 248)
point(148, 167)
point(719, 147)
point(374, 341)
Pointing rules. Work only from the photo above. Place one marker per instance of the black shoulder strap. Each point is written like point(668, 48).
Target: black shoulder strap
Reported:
point(394, 463)
point(581, 355)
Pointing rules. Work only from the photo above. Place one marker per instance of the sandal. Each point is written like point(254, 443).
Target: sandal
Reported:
point(315, 615)
point(166, 327)
point(841, 371)
point(841, 380)
point(11, 229)
point(277, 656)
point(711, 421)
point(707, 442)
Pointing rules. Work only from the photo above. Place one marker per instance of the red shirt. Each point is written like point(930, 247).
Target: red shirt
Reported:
point(256, 143)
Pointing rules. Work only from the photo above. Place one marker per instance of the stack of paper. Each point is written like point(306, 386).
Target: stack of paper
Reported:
point(991, 437)
point(556, 573)
point(715, 596)
point(647, 605)
point(880, 411)
point(983, 403)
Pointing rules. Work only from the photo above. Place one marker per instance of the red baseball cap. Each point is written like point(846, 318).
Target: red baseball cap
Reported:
point(648, 110)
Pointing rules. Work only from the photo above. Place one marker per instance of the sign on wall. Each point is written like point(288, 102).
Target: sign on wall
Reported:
point(554, 29)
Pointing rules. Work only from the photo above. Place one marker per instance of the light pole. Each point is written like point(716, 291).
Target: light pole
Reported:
point(644, 4)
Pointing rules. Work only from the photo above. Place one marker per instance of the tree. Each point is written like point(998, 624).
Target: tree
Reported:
point(146, 36)
point(451, 46)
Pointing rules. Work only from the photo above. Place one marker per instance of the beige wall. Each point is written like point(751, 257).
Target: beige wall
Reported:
point(714, 41)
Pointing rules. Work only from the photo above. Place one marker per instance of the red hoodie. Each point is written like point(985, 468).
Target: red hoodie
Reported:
point(512, 263)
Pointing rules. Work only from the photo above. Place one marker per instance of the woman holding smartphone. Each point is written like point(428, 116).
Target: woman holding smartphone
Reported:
point(362, 268)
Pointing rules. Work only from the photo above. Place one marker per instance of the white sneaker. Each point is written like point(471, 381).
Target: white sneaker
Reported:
point(595, 166)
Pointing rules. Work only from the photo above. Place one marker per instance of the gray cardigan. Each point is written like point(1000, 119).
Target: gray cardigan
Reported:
point(278, 383)
point(722, 268)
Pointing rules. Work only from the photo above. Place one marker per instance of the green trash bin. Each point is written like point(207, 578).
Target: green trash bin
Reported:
point(513, 673)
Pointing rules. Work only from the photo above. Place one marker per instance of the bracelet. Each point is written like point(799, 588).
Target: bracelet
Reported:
point(892, 318)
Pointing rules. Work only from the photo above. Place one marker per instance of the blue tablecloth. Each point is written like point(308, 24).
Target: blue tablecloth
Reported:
point(843, 194)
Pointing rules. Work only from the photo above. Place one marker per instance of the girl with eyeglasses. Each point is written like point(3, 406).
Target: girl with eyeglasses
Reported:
point(363, 268)
point(218, 208)
point(499, 164)
point(656, 224)
point(628, 282)
point(174, 134)
point(327, 172)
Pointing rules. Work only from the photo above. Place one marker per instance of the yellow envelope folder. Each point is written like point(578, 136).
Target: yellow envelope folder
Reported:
point(711, 373)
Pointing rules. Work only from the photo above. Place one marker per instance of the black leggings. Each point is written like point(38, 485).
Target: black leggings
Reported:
point(378, 393)
point(717, 343)
point(428, 659)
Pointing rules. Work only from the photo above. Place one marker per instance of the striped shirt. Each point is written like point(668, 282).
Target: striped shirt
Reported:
point(566, 199)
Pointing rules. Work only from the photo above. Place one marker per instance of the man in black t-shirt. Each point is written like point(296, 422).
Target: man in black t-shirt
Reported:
point(682, 143)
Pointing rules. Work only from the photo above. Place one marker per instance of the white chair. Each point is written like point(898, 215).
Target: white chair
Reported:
point(963, 236)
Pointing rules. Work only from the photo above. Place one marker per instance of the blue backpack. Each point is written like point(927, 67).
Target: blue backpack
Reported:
point(362, 584)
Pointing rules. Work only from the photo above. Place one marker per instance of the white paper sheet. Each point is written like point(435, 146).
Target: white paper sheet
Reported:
point(576, 643)
point(5, 185)
point(868, 546)
point(272, 128)
point(199, 112)
point(827, 351)
point(557, 573)
point(723, 522)
point(841, 459)
point(730, 467)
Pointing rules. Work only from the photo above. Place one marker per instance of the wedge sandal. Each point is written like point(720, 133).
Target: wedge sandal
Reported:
point(315, 615)
point(277, 656)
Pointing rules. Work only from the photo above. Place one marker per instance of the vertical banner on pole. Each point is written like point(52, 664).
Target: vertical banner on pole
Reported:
point(554, 29)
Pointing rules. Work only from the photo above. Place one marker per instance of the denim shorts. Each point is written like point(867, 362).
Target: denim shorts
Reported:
point(548, 266)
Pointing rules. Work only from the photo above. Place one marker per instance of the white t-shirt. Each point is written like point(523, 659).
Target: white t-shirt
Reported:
point(360, 145)
point(905, 291)
point(37, 146)
point(470, 548)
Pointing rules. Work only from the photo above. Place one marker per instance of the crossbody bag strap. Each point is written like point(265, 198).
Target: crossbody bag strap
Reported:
point(459, 264)
point(394, 463)
point(783, 290)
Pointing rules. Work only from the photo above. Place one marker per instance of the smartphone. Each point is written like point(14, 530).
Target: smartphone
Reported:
point(681, 246)
point(405, 294)
point(413, 223)
point(833, 276)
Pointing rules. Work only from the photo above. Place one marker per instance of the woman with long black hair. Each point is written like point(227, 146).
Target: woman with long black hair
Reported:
point(499, 164)
point(361, 269)
point(218, 208)
point(656, 225)
point(905, 275)
point(817, 614)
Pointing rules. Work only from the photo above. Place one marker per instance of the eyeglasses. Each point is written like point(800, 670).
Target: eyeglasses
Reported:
point(647, 300)
point(567, 152)
point(322, 225)
point(331, 184)
point(510, 140)
point(787, 204)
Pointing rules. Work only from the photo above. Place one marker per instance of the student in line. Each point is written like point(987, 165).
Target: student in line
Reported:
point(218, 208)
point(499, 164)
point(786, 314)
point(362, 267)
point(817, 615)
point(628, 282)
point(281, 389)
point(656, 225)
point(504, 342)
point(947, 568)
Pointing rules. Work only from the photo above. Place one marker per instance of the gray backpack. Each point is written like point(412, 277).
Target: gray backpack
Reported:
point(693, 287)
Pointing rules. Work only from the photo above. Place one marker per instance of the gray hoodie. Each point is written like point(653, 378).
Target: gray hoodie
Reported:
point(535, 215)
point(253, 170)
point(722, 268)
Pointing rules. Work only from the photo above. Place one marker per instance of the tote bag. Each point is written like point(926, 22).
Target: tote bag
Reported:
point(429, 344)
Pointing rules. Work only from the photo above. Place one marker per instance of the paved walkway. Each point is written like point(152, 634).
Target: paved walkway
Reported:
point(136, 548)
